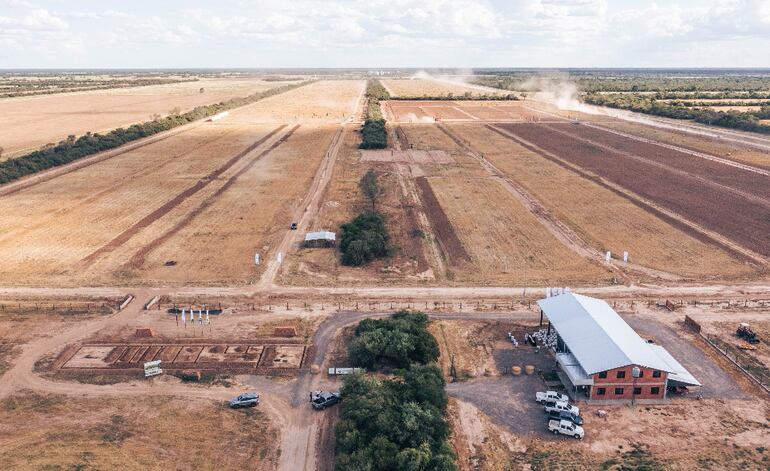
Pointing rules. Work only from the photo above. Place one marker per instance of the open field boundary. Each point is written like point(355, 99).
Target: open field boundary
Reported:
point(139, 257)
point(164, 209)
point(445, 234)
point(689, 227)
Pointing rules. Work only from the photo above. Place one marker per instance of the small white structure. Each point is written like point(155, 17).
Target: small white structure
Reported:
point(152, 368)
point(320, 239)
point(219, 116)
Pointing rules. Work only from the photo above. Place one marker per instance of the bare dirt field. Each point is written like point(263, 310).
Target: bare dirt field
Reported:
point(205, 200)
point(726, 208)
point(43, 431)
point(701, 143)
point(31, 122)
point(418, 87)
point(619, 226)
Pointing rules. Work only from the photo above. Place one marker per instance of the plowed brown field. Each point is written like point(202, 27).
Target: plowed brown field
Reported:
point(745, 221)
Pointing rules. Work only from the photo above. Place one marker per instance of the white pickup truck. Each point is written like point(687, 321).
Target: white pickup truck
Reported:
point(550, 396)
point(566, 427)
point(560, 406)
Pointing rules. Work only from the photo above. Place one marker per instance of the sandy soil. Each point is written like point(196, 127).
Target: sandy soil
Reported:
point(30, 122)
point(425, 87)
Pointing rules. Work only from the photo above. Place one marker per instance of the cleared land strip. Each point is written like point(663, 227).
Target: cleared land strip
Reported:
point(44, 221)
point(307, 211)
point(660, 164)
point(175, 201)
point(672, 217)
point(554, 225)
point(137, 260)
point(447, 237)
point(54, 172)
point(732, 163)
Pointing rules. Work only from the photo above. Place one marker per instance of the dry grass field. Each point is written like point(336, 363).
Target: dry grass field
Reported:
point(342, 201)
point(602, 218)
point(418, 87)
point(30, 122)
point(322, 102)
point(41, 431)
point(207, 198)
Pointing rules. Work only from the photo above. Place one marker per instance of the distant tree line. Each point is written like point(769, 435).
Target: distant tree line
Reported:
point(743, 120)
point(12, 88)
point(465, 96)
point(395, 424)
point(374, 134)
point(74, 148)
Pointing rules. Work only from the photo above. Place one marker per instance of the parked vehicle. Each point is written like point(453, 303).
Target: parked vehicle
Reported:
point(323, 399)
point(565, 427)
point(542, 397)
point(562, 406)
point(293, 226)
point(245, 400)
point(564, 415)
point(745, 332)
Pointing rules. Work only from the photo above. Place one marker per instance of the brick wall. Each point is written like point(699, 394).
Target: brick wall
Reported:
point(646, 384)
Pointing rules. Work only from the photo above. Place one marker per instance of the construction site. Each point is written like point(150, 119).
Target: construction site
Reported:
point(214, 248)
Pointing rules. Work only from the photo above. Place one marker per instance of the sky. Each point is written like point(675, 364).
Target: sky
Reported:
point(383, 33)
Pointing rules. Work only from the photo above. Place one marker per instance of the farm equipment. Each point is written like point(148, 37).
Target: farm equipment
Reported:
point(745, 332)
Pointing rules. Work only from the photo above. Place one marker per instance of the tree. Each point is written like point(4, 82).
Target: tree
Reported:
point(371, 188)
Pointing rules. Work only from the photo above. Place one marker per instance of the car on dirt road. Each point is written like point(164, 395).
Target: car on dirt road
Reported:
point(293, 226)
point(561, 406)
point(245, 400)
point(553, 396)
point(564, 415)
point(565, 427)
point(323, 399)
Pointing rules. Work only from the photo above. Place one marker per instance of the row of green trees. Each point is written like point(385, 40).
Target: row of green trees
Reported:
point(74, 148)
point(743, 120)
point(374, 134)
point(366, 237)
point(395, 424)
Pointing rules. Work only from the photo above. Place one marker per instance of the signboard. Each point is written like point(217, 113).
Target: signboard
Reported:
point(152, 368)
point(345, 371)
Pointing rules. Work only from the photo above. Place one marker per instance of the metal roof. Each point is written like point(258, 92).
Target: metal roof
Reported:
point(679, 374)
point(320, 235)
point(597, 336)
point(575, 372)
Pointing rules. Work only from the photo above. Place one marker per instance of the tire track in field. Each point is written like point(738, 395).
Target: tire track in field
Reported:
point(199, 144)
point(676, 220)
point(138, 259)
point(164, 209)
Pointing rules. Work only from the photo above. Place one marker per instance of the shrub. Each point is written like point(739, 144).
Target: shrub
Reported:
point(364, 239)
point(396, 342)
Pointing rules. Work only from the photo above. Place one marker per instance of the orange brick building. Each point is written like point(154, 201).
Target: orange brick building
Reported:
point(601, 358)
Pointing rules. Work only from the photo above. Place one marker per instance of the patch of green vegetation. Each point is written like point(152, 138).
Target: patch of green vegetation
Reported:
point(364, 239)
point(374, 134)
point(395, 424)
point(397, 342)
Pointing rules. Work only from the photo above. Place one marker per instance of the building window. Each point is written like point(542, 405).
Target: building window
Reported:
point(655, 391)
point(656, 374)
point(637, 391)
point(618, 391)
point(621, 374)
point(641, 373)
point(600, 391)
point(602, 374)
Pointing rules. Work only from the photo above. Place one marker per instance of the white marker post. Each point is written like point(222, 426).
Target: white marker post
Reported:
point(256, 259)
point(625, 257)
point(608, 256)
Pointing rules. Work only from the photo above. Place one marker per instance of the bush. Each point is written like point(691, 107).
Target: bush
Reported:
point(396, 342)
point(374, 135)
point(364, 239)
point(394, 425)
